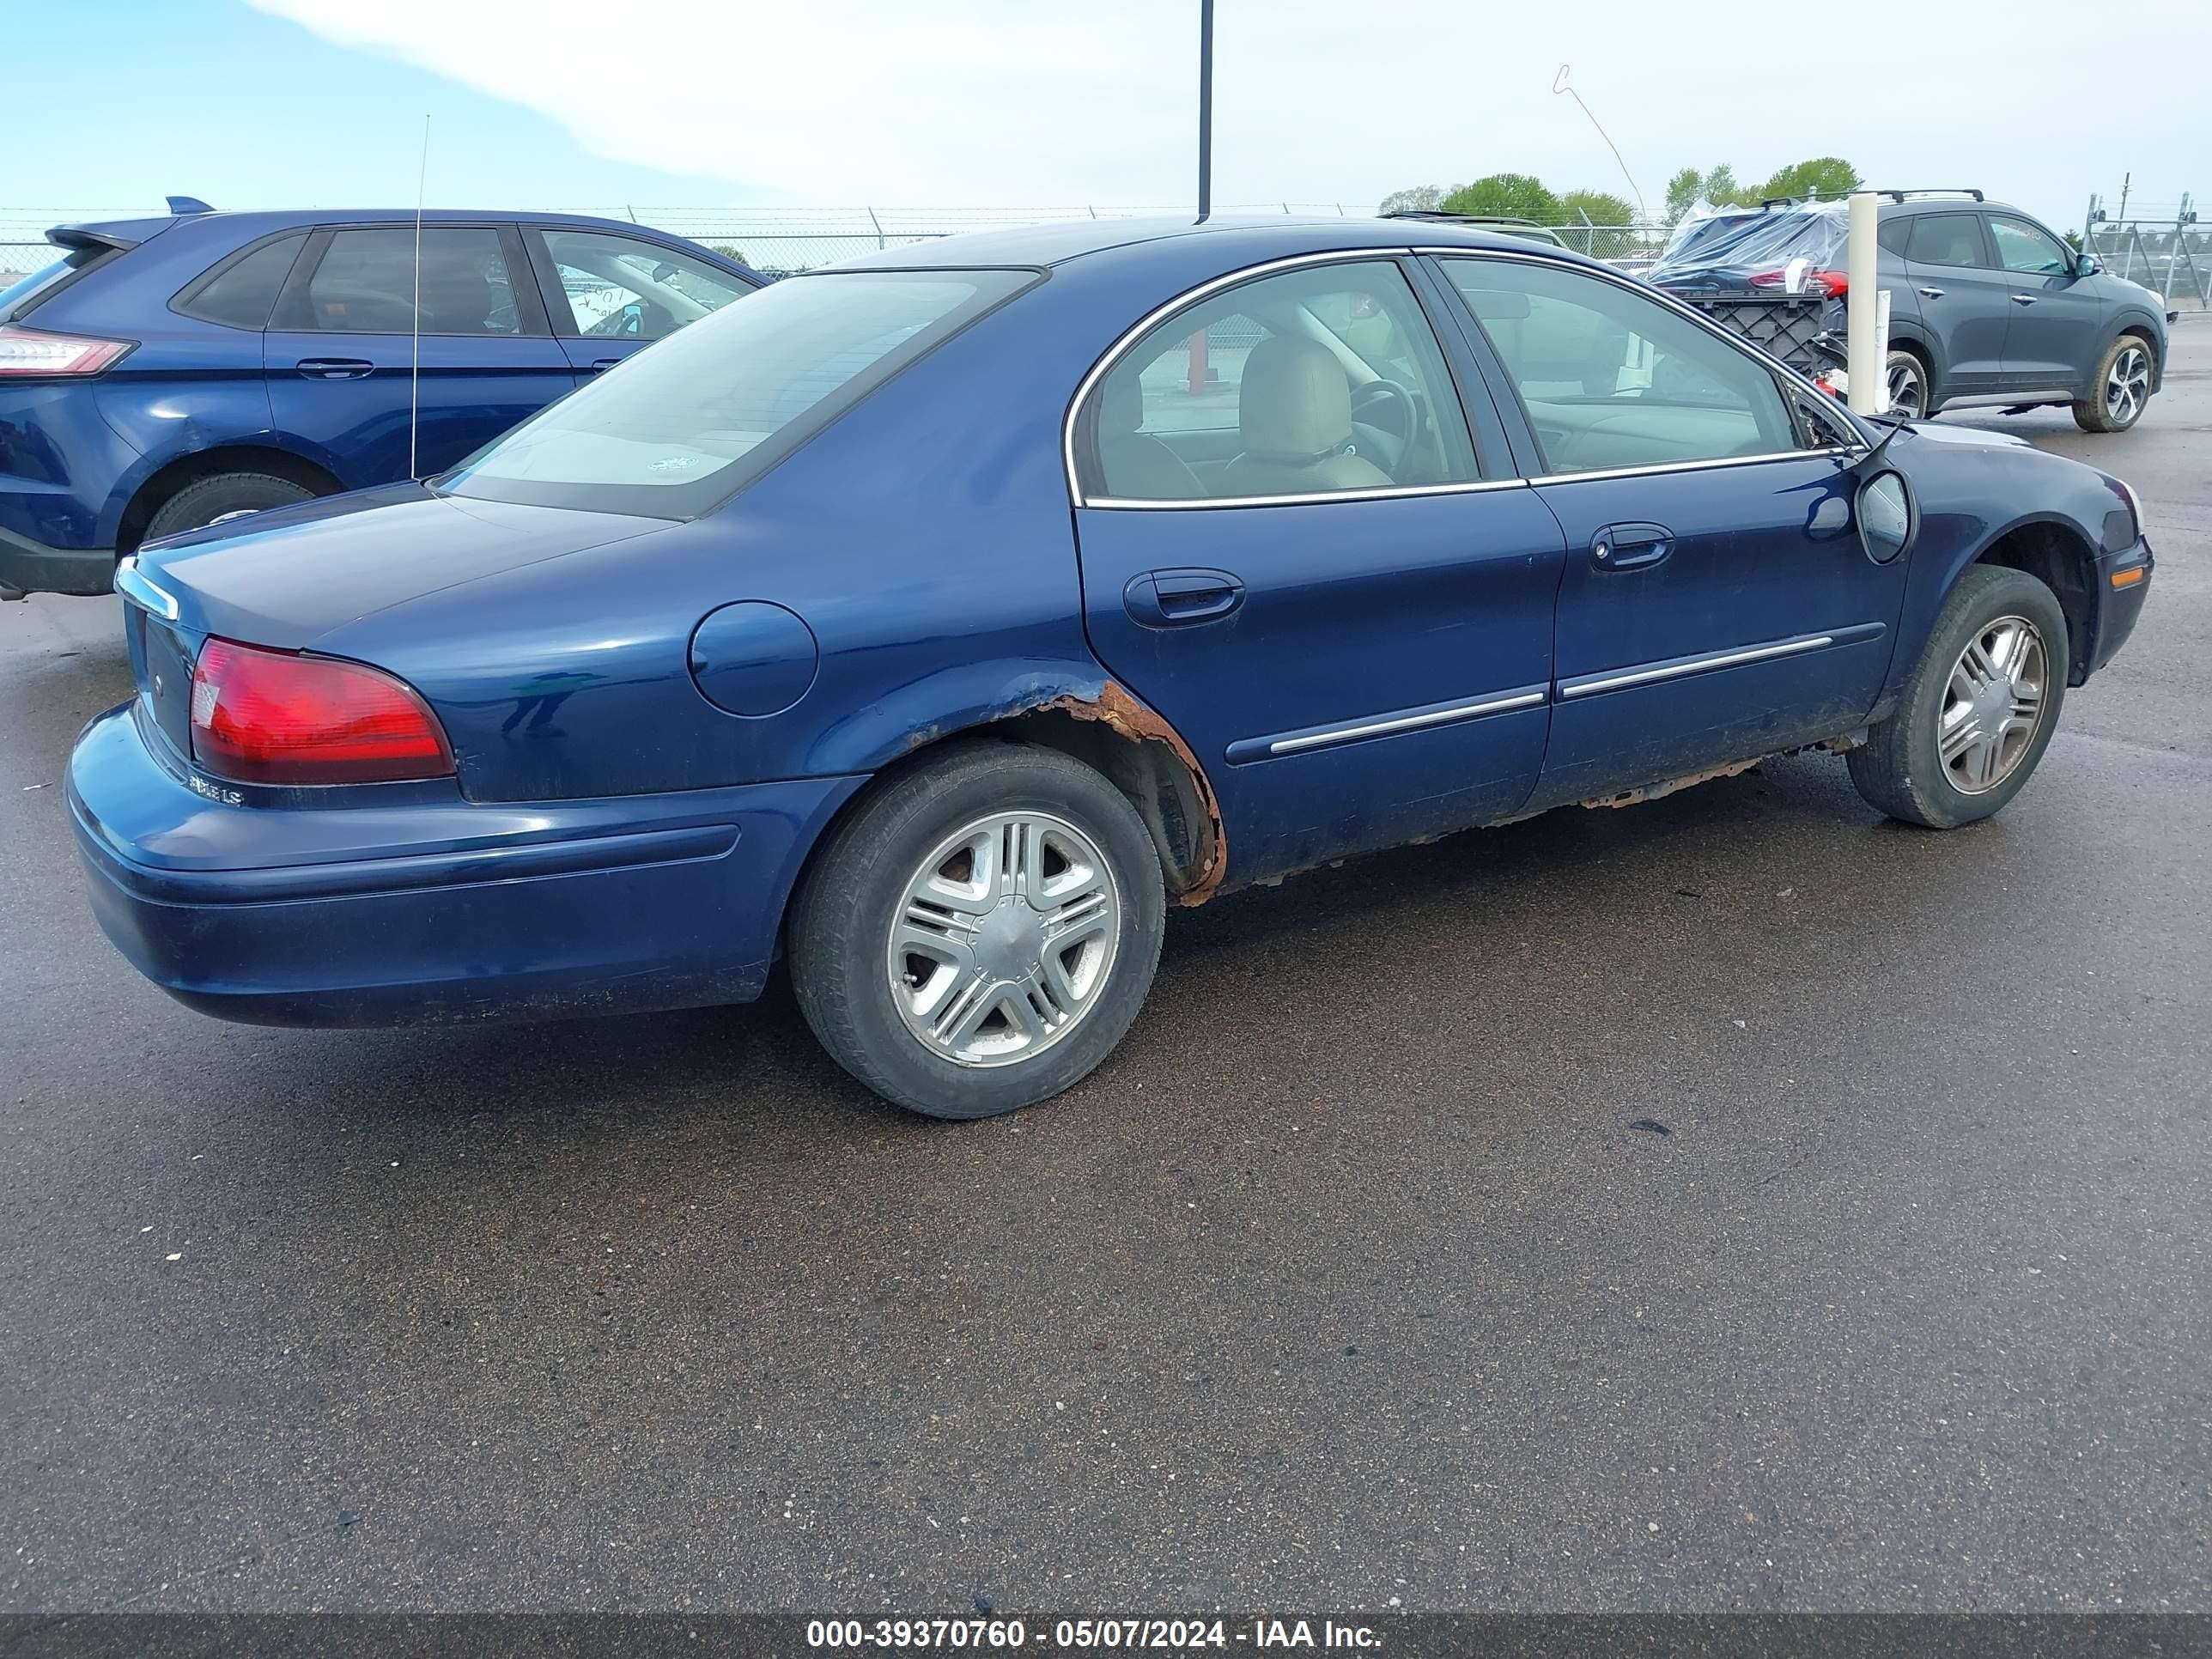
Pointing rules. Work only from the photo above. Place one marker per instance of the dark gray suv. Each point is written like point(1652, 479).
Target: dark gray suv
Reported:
point(1987, 306)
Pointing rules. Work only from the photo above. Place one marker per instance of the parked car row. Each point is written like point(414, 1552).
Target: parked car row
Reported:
point(1986, 304)
point(162, 374)
point(929, 624)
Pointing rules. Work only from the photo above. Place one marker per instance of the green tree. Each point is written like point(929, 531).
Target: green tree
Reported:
point(1581, 210)
point(1682, 191)
point(1720, 188)
point(1419, 199)
point(1506, 196)
point(1826, 176)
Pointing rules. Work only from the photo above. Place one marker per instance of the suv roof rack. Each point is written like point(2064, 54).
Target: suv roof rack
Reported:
point(1461, 218)
point(1961, 190)
point(1892, 195)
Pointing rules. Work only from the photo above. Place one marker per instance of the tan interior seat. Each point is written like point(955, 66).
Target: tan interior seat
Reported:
point(1135, 464)
point(1294, 416)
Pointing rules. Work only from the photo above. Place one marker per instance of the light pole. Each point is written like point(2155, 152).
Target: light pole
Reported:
point(1204, 108)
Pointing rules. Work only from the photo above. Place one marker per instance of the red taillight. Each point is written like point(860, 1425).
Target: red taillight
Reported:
point(1830, 283)
point(271, 717)
point(33, 351)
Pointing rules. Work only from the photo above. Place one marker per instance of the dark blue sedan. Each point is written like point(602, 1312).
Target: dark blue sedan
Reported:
point(159, 375)
point(934, 622)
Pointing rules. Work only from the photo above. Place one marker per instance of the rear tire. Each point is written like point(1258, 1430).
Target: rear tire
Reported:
point(207, 501)
point(1953, 751)
point(1042, 906)
point(2121, 391)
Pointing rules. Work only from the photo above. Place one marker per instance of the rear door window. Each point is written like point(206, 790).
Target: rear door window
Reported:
point(365, 283)
point(241, 292)
point(1947, 239)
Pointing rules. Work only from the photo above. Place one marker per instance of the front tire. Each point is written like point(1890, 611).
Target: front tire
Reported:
point(1977, 710)
point(980, 932)
point(225, 496)
point(2121, 389)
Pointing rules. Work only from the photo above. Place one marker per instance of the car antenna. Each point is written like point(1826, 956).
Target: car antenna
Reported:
point(415, 364)
point(1559, 85)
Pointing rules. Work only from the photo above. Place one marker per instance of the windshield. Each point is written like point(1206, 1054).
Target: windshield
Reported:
point(20, 290)
point(675, 430)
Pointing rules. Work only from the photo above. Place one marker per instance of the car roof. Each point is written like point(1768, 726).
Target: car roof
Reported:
point(1257, 236)
point(243, 226)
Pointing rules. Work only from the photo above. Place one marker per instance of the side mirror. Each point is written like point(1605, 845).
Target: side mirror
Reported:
point(2086, 265)
point(1888, 516)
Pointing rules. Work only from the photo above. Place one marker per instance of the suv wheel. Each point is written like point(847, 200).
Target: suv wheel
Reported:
point(1977, 710)
point(225, 496)
point(1905, 378)
point(2122, 385)
point(980, 934)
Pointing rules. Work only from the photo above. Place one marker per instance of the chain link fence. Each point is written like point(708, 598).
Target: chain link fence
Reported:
point(2173, 257)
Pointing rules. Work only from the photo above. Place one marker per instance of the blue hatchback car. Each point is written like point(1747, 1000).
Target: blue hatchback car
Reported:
point(935, 621)
point(160, 374)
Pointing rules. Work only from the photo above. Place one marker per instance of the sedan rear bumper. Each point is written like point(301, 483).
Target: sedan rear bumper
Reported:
point(278, 914)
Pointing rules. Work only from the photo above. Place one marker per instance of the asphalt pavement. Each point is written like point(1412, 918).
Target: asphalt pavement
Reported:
point(1736, 1201)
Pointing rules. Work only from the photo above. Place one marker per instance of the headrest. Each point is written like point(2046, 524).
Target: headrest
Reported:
point(1295, 404)
point(456, 300)
point(1121, 405)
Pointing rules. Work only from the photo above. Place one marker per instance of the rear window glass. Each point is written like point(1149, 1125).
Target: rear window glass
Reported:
point(676, 429)
point(22, 290)
point(1946, 239)
point(366, 282)
point(242, 293)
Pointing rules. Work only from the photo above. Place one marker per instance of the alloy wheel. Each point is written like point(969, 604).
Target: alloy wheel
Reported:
point(2127, 388)
point(1003, 939)
point(1908, 394)
point(1993, 705)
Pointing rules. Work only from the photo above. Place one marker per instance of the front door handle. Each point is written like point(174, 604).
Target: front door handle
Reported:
point(334, 369)
point(601, 365)
point(2023, 299)
point(1175, 599)
point(1631, 546)
point(1931, 293)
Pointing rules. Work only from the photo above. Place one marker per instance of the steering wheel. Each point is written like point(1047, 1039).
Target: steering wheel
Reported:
point(1399, 431)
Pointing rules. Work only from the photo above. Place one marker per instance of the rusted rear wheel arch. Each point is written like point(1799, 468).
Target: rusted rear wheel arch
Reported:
point(1115, 734)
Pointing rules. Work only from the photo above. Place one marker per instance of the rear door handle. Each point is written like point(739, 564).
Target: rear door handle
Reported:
point(1931, 293)
point(334, 369)
point(601, 365)
point(1631, 546)
point(2023, 299)
point(1175, 598)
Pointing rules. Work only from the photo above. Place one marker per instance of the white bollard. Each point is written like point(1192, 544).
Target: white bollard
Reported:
point(1866, 344)
point(1881, 334)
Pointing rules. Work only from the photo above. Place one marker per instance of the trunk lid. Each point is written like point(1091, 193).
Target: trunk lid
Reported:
point(287, 577)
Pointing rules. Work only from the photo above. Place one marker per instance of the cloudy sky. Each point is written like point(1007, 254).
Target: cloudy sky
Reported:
point(990, 103)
